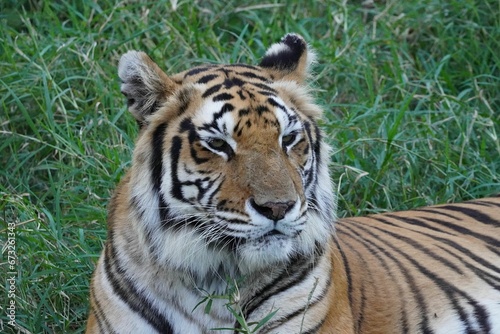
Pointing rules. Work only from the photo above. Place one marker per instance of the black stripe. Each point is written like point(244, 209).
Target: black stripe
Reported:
point(241, 95)
point(129, 293)
point(244, 66)
point(216, 191)
point(315, 328)
point(490, 279)
point(484, 203)
point(253, 76)
point(177, 185)
point(175, 153)
point(228, 83)
point(490, 203)
point(100, 315)
point(202, 190)
point(418, 246)
point(134, 205)
point(347, 269)
point(227, 107)
point(436, 211)
point(222, 97)
point(303, 310)
point(477, 215)
point(261, 109)
point(360, 322)
point(198, 70)
point(156, 163)
point(211, 90)
point(275, 103)
point(372, 250)
point(456, 246)
point(266, 93)
point(494, 249)
point(452, 292)
point(316, 158)
point(299, 268)
point(264, 87)
point(207, 78)
point(469, 254)
point(421, 221)
point(361, 312)
point(188, 126)
point(468, 232)
point(449, 290)
point(306, 148)
point(417, 293)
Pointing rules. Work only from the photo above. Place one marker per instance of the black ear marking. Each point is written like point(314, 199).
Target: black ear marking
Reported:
point(130, 102)
point(285, 55)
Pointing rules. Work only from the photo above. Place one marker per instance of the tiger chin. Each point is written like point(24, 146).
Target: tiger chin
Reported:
point(229, 182)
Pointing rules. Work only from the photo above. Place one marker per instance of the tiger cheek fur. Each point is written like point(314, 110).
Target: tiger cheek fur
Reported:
point(229, 182)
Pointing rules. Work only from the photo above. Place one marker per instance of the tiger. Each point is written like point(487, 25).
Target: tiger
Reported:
point(230, 182)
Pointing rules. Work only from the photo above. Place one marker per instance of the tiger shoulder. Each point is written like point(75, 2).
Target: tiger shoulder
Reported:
point(229, 194)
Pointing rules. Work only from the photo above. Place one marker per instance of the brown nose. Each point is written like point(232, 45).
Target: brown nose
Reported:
point(273, 210)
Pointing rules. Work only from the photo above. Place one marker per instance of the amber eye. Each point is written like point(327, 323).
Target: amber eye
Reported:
point(220, 145)
point(217, 143)
point(288, 139)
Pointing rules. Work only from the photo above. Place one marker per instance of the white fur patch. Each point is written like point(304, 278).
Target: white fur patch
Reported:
point(224, 125)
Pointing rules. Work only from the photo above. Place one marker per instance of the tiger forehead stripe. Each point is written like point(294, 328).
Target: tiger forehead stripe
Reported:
point(207, 78)
point(222, 97)
point(253, 76)
point(198, 70)
point(212, 90)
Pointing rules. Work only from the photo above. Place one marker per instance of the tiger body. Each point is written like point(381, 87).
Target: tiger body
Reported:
point(431, 270)
point(229, 181)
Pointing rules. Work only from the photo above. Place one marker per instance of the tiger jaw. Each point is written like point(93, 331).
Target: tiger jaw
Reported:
point(265, 251)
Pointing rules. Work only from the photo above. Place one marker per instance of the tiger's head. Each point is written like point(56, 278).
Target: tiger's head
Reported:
point(229, 170)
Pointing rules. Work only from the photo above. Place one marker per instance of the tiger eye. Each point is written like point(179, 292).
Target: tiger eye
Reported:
point(217, 143)
point(288, 139)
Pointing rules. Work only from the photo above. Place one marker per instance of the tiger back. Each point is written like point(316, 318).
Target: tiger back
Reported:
point(431, 270)
point(229, 183)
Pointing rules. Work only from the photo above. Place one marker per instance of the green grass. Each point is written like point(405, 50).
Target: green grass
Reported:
point(410, 91)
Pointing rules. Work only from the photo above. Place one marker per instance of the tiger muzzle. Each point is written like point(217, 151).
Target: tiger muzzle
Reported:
point(273, 210)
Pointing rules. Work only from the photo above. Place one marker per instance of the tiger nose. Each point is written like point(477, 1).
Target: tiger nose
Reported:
point(273, 210)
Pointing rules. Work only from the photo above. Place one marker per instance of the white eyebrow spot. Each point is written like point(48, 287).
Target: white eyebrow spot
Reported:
point(284, 119)
point(206, 113)
point(224, 125)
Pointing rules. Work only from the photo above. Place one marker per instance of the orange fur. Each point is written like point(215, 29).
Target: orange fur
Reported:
point(386, 292)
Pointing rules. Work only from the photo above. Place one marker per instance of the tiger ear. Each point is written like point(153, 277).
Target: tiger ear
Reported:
point(144, 84)
point(289, 59)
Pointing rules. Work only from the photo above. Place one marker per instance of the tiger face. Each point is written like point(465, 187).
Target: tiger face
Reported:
point(227, 167)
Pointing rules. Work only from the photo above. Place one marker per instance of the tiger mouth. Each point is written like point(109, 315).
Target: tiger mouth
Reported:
point(275, 235)
point(273, 232)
